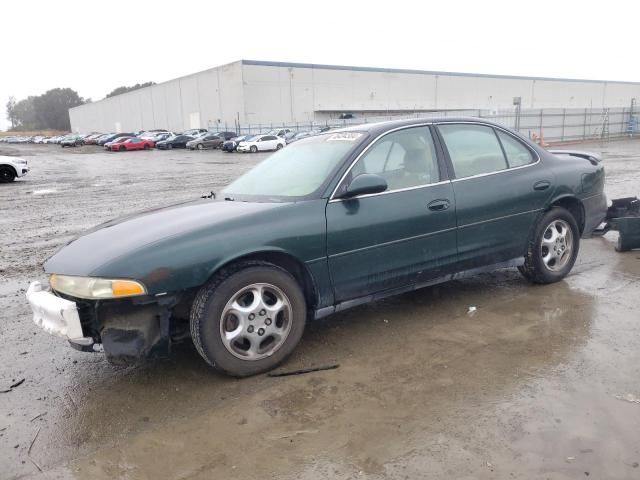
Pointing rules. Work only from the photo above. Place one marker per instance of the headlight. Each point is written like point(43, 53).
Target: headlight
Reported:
point(96, 288)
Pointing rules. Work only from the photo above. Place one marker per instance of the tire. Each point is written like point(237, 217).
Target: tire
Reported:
point(279, 146)
point(253, 149)
point(542, 263)
point(7, 175)
point(123, 149)
point(200, 146)
point(211, 319)
point(169, 146)
point(146, 146)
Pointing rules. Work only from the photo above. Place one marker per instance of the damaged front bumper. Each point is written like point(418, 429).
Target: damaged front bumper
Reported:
point(56, 315)
point(623, 216)
point(129, 330)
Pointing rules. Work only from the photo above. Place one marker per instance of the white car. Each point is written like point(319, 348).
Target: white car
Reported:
point(261, 143)
point(11, 168)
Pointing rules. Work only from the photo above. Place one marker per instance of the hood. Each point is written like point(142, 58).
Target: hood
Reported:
point(114, 239)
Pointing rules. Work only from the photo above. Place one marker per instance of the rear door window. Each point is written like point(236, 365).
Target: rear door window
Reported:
point(473, 149)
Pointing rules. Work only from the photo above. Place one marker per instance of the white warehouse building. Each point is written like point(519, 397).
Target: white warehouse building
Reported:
point(250, 92)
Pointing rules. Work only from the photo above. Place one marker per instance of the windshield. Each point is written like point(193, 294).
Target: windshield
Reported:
point(298, 170)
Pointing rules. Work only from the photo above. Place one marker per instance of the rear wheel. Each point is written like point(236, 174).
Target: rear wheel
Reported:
point(553, 247)
point(253, 149)
point(248, 318)
point(200, 146)
point(7, 175)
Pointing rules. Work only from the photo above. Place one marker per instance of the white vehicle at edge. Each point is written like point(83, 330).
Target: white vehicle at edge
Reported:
point(261, 143)
point(12, 168)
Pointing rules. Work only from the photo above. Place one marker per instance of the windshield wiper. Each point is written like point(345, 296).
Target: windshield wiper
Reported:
point(211, 195)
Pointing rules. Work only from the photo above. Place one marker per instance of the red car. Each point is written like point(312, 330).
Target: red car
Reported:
point(134, 143)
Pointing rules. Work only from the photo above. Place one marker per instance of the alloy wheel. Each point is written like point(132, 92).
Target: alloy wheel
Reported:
point(256, 321)
point(556, 247)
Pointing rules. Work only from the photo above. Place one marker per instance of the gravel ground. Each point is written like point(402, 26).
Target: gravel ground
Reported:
point(539, 382)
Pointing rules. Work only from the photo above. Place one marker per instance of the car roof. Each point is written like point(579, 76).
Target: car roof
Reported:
point(381, 127)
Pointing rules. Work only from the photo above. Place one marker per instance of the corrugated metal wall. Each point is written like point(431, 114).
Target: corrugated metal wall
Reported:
point(196, 101)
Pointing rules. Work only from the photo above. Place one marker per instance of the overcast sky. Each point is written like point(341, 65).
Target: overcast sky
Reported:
point(96, 46)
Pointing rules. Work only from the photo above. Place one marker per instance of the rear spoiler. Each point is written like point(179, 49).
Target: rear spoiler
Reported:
point(594, 158)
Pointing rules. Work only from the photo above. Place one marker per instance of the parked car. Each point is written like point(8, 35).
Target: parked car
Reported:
point(108, 145)
point(135, 143)
point(232, 144)
point(12, 168)
point(279, 132)
point(161, 136)
point(300, 135)
point(151, 134)
point(194, 132)
point(210, 140)
point(111, 137)
point(333, 221)
point(175, 141)
point(261, 143)
point(72, 141)
point(92, 139)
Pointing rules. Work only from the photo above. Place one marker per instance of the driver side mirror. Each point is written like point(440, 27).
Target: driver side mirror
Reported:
point(365, 184)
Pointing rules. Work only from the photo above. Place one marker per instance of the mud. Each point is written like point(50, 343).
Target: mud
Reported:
point(535, 383)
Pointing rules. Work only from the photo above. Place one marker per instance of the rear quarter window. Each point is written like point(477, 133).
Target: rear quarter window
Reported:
point(518, 154)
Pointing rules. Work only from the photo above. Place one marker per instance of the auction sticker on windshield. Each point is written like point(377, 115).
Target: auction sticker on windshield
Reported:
point(344, 137)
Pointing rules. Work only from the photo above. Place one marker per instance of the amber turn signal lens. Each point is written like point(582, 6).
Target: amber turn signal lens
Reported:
point(126, 288)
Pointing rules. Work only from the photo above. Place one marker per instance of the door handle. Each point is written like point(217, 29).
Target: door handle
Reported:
point(542, 185)
point(438, 205)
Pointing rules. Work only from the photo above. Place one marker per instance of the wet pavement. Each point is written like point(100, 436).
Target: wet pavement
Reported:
point(538, 382)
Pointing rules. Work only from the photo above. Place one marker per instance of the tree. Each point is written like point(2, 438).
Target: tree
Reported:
point(52, 108)
point(47, 111)
point(11, 114)
point(124, 89)
point(25, 114)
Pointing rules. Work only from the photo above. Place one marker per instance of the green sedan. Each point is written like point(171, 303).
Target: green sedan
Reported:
point(330, 222)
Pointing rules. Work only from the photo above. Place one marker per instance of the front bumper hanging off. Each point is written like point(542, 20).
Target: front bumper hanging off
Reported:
point(623, 216)
point(56, 316)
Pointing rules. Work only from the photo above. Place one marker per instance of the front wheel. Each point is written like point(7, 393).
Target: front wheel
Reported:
point(248, 318)
point(253, 149)
point(200, 146)
point(553, 247)
point(170, 146)
point(7, 175)
point(279, 146)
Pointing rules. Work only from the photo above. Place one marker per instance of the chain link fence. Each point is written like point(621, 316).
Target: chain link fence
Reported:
point(541, 125)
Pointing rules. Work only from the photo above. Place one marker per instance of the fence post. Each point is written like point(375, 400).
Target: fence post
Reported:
point(564, 116)
point(540, 130)
point(584, 125)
